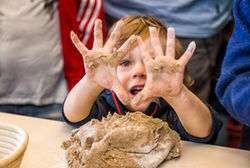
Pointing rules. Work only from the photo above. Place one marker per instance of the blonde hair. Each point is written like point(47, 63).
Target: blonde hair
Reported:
point(139, 25)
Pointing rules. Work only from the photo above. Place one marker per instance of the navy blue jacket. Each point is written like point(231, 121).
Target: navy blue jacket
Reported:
point(106, 102)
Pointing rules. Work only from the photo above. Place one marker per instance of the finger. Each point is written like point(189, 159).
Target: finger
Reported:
point(117, 55)
point(145, 54)
point(121, 93)
point(78, 44)
point(155, 41)
point(139, 98)
point(188, 54)
point(130, 43)
point(170, 50)
point(98, 37)
point(114, 37)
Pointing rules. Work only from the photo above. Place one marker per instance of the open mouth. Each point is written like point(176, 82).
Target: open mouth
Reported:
point(136, 89)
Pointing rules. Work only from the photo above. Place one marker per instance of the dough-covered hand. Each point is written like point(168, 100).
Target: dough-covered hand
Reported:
point(100, 63)
point(164, 73)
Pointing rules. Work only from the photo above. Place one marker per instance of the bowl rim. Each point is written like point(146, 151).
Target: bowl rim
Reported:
point(21, 149)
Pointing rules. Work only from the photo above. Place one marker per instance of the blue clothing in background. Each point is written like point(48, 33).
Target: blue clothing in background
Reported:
point(233, 87)
point(190, 18)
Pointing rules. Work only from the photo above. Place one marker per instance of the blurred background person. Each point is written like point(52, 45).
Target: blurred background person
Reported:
point(33, 55)
point(233, 87)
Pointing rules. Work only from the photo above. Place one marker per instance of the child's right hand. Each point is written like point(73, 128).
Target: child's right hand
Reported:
point(100, 63)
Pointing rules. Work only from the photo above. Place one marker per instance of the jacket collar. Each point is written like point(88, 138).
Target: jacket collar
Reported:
point(115, 103)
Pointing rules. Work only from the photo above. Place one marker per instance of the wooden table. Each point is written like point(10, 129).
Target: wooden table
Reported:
point(46, 136)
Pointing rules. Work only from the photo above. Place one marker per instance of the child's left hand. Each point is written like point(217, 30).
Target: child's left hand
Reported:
point(164, 73)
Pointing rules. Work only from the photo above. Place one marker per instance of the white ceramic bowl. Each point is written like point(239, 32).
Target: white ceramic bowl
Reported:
point(13, 143)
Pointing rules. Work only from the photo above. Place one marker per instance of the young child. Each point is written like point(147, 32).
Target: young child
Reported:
point(140, 68)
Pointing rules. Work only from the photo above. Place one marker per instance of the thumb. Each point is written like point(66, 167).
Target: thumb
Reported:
point(139, 98)
point(121, 93)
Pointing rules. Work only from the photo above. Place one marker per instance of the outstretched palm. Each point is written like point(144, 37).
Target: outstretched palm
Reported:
point(164, 73)
point(100, 63)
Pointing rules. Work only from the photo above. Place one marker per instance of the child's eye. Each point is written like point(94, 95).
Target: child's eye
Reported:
point(125, 63)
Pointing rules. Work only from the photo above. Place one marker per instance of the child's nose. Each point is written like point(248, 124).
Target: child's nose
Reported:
point(139, 70)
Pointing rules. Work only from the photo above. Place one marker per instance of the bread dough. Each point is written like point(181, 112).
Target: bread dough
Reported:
point(134, 140)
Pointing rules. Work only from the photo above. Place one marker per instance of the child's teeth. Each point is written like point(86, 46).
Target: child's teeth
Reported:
point(138, 88)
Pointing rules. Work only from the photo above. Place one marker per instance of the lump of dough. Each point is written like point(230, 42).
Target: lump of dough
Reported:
point(134, 140)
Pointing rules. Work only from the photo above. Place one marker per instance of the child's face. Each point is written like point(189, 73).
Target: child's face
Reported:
point(132, 74)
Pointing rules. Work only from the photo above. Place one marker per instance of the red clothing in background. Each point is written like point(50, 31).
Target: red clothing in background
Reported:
point(79, 16)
